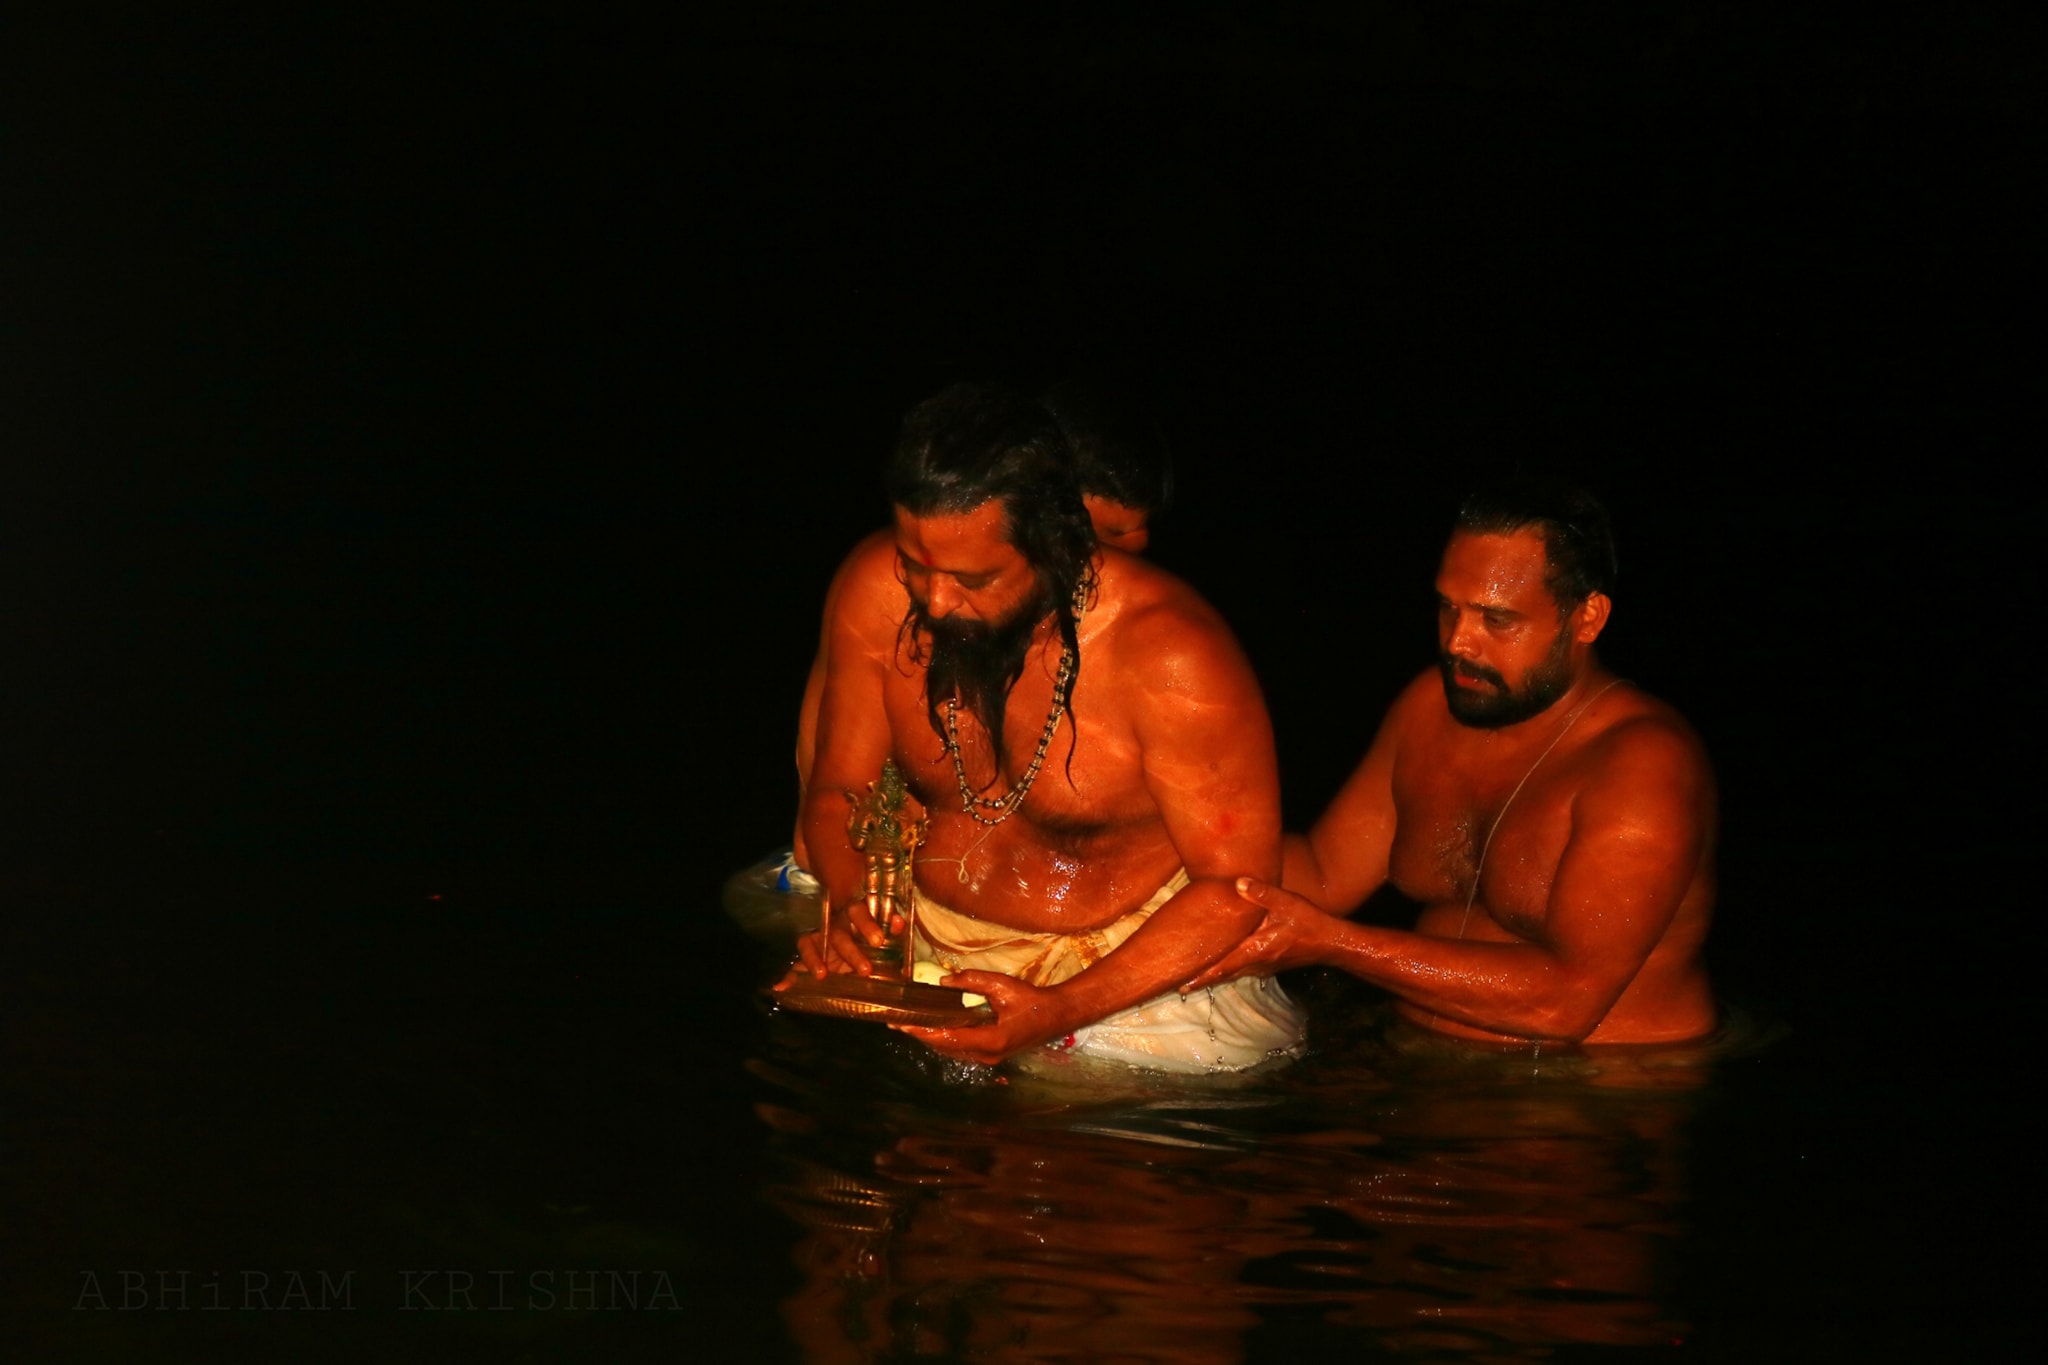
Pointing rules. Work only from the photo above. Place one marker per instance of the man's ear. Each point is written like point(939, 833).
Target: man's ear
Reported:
point(1589, 618)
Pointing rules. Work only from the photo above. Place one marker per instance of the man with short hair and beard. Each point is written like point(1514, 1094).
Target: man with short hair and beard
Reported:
point(1088, 744)
point(1555, 823)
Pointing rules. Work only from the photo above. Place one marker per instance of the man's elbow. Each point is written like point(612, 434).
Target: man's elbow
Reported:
point(1570, 1027)
point(1571, 1017)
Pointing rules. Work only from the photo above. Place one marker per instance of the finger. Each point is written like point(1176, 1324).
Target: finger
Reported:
point(1225, 968)
point(810, 952)
point(862, 924)
point(938, 1040)
point(1254, 890)
point(992, 984)
point(813, 959)
point(957, 1043)
point(841, 950)
point(975, 979)
point(849, 950)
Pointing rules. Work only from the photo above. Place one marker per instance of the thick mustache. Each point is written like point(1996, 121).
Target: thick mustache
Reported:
point(1477, 672)
point(954, 630)
point(945, 630)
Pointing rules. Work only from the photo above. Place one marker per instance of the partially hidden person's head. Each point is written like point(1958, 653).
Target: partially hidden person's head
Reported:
point(1524, 589)
point(1121, 459)
point(992, 539)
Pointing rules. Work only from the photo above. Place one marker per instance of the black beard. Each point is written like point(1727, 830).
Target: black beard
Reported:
point(1504, 706)
point(978, 661)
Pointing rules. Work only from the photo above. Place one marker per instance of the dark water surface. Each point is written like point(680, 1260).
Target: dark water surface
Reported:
point(361, 1077)
point(1386, 1196)
point(430, 1117)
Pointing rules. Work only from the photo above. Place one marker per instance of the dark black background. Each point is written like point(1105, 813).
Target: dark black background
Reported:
point(428, 438)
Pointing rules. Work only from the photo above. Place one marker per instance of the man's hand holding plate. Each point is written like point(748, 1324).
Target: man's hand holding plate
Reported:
point(840, 947)
point(1025, 1017)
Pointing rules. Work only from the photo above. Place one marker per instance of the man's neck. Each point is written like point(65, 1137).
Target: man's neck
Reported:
point(1586, 688)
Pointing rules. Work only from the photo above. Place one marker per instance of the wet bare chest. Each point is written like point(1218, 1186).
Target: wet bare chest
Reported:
point(1086, 844)
point(1080, 777)
point(1450, 821)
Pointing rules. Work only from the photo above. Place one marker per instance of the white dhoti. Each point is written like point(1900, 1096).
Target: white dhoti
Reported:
point(1230, 1027)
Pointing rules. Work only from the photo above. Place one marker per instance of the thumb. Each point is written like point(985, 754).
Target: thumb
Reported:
point(980, 982)
point(1255, 891)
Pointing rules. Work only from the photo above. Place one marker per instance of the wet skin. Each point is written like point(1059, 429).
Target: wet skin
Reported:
point(1117, 525)
point(1172, 765)
point(1588, 917)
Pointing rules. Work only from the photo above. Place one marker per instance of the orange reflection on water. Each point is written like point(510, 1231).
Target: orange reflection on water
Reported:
point(1453, 1212)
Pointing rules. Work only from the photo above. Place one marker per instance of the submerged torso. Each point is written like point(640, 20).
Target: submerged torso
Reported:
point(1453, 783)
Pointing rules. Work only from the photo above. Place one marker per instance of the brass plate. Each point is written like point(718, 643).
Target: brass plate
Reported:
point(884, 1001)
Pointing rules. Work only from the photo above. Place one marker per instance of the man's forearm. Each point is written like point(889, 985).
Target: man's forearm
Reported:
point(1300, 872)
point(833, 860)
point(1309, 871)
point(1511, 988)
point(1199, 925)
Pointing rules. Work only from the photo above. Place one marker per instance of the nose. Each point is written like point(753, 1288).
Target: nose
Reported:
point(942, 599)
point(1461, 636)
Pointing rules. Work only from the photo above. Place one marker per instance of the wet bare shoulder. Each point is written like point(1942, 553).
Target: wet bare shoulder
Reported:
point(1164, 632)
point(1648, 751)
point(1422, 697)
point(869, 564)
point(1648, 730)
point(866, 598)
point(1419, 708)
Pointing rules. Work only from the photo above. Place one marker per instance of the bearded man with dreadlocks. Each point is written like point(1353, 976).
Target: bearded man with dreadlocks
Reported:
point(1087, 742)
